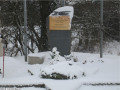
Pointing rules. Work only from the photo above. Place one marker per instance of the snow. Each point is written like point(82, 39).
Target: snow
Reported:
point(97, 70)
point(65, 8)
point(99, 88)
point(37, 54)
point(31, 88)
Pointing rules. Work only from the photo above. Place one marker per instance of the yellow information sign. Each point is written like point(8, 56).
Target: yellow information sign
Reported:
point(59, 23)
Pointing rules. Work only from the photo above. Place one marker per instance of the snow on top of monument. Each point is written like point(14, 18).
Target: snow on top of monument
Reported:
point(37, 54)
point(65, 11)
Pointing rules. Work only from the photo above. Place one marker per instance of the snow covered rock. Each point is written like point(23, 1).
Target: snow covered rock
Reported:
point(36, 58)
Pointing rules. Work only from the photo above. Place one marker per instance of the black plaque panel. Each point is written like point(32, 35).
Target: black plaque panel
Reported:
point(60, 39)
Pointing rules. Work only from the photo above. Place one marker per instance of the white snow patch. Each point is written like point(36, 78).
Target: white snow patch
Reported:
point(65, 8)
point(98, 70)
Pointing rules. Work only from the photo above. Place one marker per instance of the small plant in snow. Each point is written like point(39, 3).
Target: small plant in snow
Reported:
point(55, 56)
point(71, 57)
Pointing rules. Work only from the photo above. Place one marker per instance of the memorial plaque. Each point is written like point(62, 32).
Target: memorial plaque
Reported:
point(59, 23)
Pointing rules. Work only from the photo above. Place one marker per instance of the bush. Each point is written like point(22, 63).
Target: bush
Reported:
point(61, 67)
point(55, 76)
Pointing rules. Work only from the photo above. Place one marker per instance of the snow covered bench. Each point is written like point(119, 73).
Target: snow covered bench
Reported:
point(36, 58)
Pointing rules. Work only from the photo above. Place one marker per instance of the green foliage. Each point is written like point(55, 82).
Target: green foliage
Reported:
point(55, 76)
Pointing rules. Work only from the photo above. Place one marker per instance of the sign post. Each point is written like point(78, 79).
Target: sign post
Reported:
point(1, 48)
point(1, 45)
point(25, 30)
point(101, 31)
point(3, 59)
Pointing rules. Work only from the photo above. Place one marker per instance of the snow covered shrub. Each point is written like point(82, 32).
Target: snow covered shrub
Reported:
point(55, 76)
point(110, 47)
point(14, 46)
point(62, 70)
point(75, 44)
point(55, 56)
point(61, 67)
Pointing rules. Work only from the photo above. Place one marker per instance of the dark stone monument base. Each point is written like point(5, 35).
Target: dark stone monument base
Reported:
point(60, 39)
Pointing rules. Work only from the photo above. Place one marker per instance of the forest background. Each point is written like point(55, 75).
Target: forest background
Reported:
point(85, 31)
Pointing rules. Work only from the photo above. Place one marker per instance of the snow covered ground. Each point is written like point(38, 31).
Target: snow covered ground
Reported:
point(97, 70)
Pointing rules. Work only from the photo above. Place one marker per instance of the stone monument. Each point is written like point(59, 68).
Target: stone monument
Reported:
point(59, 29)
